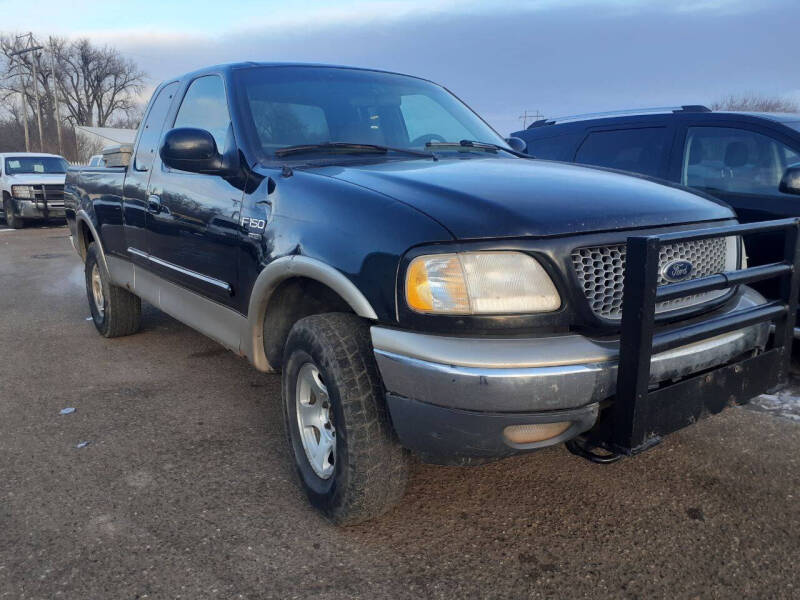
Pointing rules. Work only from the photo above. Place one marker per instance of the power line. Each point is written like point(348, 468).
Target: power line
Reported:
point(529, 114)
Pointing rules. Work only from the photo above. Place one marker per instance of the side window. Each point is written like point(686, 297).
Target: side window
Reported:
point(152, 128)
point(205, 107)
point(637, 150)
point(734, 160)
point(553, 148)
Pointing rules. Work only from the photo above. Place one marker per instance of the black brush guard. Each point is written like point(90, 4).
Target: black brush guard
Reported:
point(639, 416)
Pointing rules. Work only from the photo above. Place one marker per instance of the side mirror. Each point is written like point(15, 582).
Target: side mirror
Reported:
point(517, 144)
point(790, 182)
point(192, 150)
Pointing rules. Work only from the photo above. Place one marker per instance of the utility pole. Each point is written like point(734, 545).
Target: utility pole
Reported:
point(56, 108)
point(529, 114)
point(23, 101)
point(32, 48)
point(25, 112)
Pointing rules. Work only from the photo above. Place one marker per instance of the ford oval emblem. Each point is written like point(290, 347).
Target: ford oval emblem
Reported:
point(677, 270)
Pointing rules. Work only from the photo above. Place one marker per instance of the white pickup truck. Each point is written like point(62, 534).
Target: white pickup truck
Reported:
point(33, 187)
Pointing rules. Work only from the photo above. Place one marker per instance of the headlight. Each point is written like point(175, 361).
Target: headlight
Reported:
point(22, 191)
point(479, 283)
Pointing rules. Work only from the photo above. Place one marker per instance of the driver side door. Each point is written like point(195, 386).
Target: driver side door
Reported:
point(193, 218)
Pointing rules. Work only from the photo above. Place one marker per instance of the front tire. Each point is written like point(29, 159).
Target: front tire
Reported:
point(115, 311)
point(347, 456)
point(12, 220)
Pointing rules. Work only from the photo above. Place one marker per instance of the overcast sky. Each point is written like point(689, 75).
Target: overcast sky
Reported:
point(502, 57)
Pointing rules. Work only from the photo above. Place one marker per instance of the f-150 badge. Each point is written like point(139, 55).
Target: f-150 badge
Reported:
point(254, 227)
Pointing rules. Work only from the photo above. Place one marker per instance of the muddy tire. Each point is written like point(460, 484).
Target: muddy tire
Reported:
point(115, 311)
point(12, 220)
point(348, 459)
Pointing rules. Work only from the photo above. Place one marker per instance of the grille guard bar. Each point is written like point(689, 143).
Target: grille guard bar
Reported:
point(639, 416)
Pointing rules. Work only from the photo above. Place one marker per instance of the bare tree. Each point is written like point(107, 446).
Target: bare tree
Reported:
point(755, 103)
point(94, 84)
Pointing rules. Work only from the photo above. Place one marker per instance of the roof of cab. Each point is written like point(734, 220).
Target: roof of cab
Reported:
point(225, 67)
point(773, 116)
point(31, 154)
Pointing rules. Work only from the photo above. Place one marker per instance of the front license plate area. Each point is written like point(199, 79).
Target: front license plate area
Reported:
point(673, 407)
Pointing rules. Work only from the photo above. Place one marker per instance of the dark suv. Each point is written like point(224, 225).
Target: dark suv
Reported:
point(749, 160)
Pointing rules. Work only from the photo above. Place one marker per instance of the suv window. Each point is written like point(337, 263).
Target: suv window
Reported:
point(152, 127)
point(205, 107)
point(639, 150)
point(553, 148)
point(734, 160)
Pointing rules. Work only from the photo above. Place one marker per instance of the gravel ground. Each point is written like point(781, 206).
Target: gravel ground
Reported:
point(185, 489)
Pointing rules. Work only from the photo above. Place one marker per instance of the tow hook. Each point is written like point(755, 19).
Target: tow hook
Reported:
point(581, 447)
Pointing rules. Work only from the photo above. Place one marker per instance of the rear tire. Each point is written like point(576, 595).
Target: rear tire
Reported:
point(12, 220)
point(329, 364)
point(115, 311)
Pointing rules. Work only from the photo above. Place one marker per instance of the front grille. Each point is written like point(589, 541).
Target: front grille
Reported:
point(601, 269)
point(53, 194)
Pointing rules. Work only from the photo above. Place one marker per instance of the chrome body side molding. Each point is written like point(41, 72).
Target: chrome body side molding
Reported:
point(182, 270)
point(214, 320)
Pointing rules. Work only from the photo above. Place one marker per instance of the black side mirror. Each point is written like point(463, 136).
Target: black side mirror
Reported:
point(790, 182)
point(517, 144)
point(192, 150)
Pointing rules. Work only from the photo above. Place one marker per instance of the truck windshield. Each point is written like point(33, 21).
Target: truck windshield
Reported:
point(305, 106)
point(16, 165)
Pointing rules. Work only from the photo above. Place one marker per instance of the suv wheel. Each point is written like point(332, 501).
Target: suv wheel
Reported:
point(12, 220)
point(350, 464)
point(115, 311)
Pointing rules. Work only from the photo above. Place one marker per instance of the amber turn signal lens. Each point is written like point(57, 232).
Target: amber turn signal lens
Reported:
point(536, 432)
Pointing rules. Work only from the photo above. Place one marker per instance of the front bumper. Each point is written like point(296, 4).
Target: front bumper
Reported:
point(31, 209)
point(454, 396)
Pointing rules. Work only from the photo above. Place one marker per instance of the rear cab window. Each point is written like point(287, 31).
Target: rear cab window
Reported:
point(153, 126)
point(640, 150)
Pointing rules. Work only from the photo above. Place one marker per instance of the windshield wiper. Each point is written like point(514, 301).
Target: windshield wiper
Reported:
point(350, 147)
point(488, 147)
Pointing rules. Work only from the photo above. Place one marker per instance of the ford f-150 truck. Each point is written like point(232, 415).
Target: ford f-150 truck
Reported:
point(421, 284)
point(33, 187)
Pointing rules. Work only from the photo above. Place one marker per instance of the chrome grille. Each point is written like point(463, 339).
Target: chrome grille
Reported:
point(601, 269)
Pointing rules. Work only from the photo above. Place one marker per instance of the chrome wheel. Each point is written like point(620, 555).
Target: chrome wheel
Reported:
point(314, 421)
point(97, 291)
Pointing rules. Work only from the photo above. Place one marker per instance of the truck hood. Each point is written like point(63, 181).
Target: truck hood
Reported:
point(36, 178)
point(498, 197)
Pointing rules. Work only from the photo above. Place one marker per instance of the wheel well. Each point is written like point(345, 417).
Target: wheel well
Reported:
point(292, 300)
point(85, 238)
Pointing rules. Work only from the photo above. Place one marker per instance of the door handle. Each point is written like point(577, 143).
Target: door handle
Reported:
point(154, 203)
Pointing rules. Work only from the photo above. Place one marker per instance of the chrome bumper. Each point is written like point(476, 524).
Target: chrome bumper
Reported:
point(557, 372)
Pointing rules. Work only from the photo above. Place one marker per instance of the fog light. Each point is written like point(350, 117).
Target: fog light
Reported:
point(537, 432)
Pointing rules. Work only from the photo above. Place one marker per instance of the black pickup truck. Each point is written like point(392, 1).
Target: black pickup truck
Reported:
point(420, 283)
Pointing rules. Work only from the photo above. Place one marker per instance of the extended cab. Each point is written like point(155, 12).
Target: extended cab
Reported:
point(33, 187)
point(421, 284)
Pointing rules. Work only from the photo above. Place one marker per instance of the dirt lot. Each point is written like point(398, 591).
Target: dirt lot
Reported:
point(185, 489)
